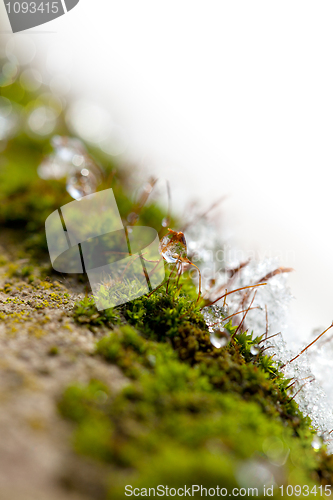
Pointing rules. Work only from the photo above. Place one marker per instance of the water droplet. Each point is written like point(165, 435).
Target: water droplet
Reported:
point(42, 120)
point(78, 160)
point(31, 80)
point(219, 338)
point(225, 310)
point(316, 443)
point(51, 169)
point(8, 119)
point(166, 222)
point(255, 349)
point(65, 159)
point(70, 159)
point(67, 148)
point(9, 72)
point(173, 247)
point(81, 183)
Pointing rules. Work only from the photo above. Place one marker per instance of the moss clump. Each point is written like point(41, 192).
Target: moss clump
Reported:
point(190, 413)
point(173, 425)
point(53, 351)
point(192, 410)
point(180, 323)
point(86, 313)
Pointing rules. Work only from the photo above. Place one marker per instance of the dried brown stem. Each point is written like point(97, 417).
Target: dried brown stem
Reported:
point(199, 293)
point(233, 291)
point(171, 273)
point(155, 289)
point(299, 390)
point(266, 333)
point(235, 314)
point(268, 347)
point(290, 385)
point(270, 337)
point(168, 216)
point(236, 270)
point(204, 214)
point(243, 319)
point(279, 270)
point(307, 347)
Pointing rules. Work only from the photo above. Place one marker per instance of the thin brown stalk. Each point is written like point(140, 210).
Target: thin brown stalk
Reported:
point(307, 347)
point(268, 347)
point(235, 314)
point(171, 273)
point(290, 385)
point(267, 277)
point(279, 270)
point(299, 390)
point(270, 337)
point(233, 291)
point(155, 289)
point(266, 333)
point(204, 214)
point(236, 270)
point(199, 293)
point(168, 216)
point(143, 199)
point(243, 319)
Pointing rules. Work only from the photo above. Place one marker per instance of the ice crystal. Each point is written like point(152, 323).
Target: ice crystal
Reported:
point(269, 316)
point(206, 251)
point(214, 316)
point(81, 183)
point(68, 155)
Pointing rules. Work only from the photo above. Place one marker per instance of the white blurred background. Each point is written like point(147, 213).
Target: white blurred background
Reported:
point(219, 97)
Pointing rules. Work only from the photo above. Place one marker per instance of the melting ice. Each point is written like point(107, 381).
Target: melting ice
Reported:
point(310, 373)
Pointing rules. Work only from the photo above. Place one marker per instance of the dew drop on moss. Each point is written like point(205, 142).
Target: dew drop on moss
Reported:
point(255, 349)
point(81, 183)
point(316, 443)
point(219, 339)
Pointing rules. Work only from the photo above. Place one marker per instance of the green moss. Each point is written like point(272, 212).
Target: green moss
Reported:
point(85, 312)
point(53, 351)
point(190, 413)
point(173, 426)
